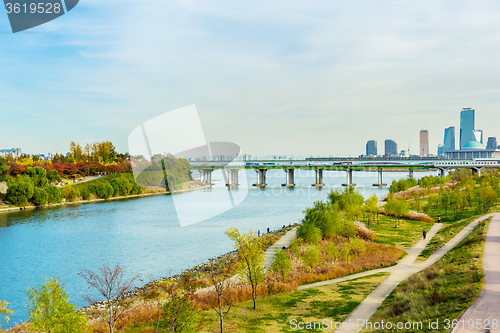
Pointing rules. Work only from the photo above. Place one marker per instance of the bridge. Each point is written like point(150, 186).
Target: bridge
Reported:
point(348, 165)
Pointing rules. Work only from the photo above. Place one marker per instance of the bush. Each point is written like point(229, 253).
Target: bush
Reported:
point(118, 187)
point(333, 251)
point(40, 197)
point(346, 248)
point(281, 264)
point(70, 193)
point(104, 191)
point(53, 194)
point(295, 247)
point(85, 193)
point(309, 233)
point(357, 246)
point(19, 193)
point(311, 257)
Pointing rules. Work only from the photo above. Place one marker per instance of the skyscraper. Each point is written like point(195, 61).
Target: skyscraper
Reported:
point(424, 143)
point(391, 147)
point(449, 138)
point(440, 150)
point(478, 134)
point(371, 148)
point(467, 124)
point(492, 143)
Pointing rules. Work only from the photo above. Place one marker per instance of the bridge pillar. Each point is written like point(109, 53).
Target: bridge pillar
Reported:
point(476, 171)
point(261, 178)
point(410, 173)
point(232, 178)
point(349, 178)
point(380, 182)
point(206, 176)
point(289, 178)
point(319, 178)
point(442, 172)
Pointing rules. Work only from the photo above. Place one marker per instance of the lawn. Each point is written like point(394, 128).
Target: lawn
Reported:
point(443, 291)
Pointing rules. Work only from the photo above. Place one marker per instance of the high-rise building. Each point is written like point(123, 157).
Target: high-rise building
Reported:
point(478, 134)
point(424, 143)
point(467, 125)
point(391, 147)
point(449, 138)
point(440, 150)
point(371, 148)
point(492, 143)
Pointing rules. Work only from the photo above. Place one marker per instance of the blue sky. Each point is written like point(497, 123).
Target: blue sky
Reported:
point(287, 77)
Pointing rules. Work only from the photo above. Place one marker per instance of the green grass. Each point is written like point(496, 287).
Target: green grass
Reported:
point(334, 302)
point(443, 291)
point(407, 234)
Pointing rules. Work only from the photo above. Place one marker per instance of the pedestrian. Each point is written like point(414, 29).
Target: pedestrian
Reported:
point(284, 247)
point(258, 233)
point(267, 230)
point(283, 226)
point(439, 219)
point(424, 233)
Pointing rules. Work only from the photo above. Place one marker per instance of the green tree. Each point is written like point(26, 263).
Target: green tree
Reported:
point(53, 194)
point(19, 193)
point(281, 264)
point(39, 176)
point(40, 197)
point(53, 176)
point(180, 315)
point(4, 168)
point(309, 232)
point(104, 191)
point(50, 311)
point(311, 257)
point(85, 193)
point(486, 197)
point(70, 193)
point(5, 311)
point(372, 207)
point(250, 248)
point(333, 251)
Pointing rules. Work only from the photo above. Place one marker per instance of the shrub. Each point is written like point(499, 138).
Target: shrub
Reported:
point(309, 233)
point(281, 264)
point(19, 193)
point(118, 187)
point(345, 228)
point(333, 251)
point(53, 194)
point(311, 257)
point(364, 232)
point(70, 193)
point(40, 197)
point(85, 193)
point(295, 247)
point(346, 248)
point(357, 246)
point(104, 191)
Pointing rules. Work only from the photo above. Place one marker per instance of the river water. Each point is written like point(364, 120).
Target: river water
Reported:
point(145, 235)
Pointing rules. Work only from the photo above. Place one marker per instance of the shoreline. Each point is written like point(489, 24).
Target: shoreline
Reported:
point(80, 202)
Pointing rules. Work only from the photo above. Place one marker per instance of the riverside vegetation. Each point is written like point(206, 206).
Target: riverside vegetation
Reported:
point(332, 240)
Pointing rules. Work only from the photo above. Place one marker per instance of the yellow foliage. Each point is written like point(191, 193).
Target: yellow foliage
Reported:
point(26, 162)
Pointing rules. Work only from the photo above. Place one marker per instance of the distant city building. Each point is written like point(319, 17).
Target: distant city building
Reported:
point(15, 152)
point(492, 143)
point(404, 153)
point(449, 138)
point(467, 125)
point(371, 148)
point(424, 143)
point(440, 150)
point(478, 135)
point(391, 147)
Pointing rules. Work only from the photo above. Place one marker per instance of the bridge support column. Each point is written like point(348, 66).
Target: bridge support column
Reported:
point(289, 178)
point(261, 178)
point(349, 178)
point(232, 178)
point(206, 176)
point(476, 171)
point(410, 175)
point(319, 178)
point(442, 173)
point(380, 182)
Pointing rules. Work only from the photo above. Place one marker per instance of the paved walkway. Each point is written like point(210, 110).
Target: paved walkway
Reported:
point(487, 306)
point(404, 269)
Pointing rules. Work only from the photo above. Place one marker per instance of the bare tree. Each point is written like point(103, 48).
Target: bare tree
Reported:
point(222, 288)
point(112, 285)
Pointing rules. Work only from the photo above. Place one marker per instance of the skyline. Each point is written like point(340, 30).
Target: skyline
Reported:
point(283, 78)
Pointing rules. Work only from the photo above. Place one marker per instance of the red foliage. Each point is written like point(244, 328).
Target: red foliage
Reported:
point(16, 169)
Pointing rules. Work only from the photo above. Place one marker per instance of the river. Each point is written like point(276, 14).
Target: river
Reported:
point(144, 234)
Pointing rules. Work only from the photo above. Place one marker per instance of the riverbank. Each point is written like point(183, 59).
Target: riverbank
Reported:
point(188, 187)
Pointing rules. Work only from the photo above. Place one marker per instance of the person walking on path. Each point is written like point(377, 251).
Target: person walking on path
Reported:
point(258, 233)
point(424, 233)
point(439, 219)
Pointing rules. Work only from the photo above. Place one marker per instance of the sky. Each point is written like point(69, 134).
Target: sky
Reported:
point(302, 78)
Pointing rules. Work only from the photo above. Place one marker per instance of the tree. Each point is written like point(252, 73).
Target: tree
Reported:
point(4, 168)
point(222, 288)
point(19, 193)
point(104, 191)
point(40, 197)
point(372, 207)
point(53, 194)
point(111, 284)
point(250, 248)
point(5, 311)
point(70, 193)
point(50, 311)
point(53, 176)
point(39, 176)
point(486, 197)
point(281, 264)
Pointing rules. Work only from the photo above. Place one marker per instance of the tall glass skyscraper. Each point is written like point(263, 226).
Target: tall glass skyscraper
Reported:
point(467, 125)
point(449, 138)
point(391, 147)
point(371, 148)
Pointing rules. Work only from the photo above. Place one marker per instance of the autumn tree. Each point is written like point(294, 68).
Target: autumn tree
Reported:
point(251, 251)
point(5, 311)
point(111, 284)
point(50, 311)
point(222, 288)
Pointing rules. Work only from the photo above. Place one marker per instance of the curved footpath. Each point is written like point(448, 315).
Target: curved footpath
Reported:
point(404, 269)
point(487, 306)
